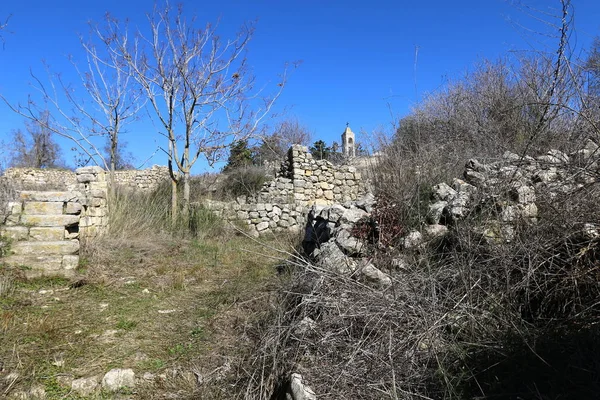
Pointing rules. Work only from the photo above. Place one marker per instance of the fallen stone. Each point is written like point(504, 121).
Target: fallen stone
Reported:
point(117, 379)
point(373, 275)
point(413, 239)
point(298, 390)
point(85, 386)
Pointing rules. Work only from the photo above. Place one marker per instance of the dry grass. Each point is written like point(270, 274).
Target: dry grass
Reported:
point(175, 304)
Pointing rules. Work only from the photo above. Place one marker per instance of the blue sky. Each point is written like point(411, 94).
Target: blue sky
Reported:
point(358, 57)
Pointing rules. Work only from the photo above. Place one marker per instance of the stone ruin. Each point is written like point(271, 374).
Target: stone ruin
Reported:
point(283, 203)
point(44, 228)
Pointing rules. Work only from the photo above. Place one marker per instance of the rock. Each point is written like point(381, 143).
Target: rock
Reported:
point(352, 215)
point(435, 231)
point(331, 257)
point(523, 194)
point(475, 178)
point(298, 390)
point(350, 245)
point(85, 386)
point(306, 325)
point(436, 210)
point(373, 275)
point(367, 202)
point(118, 378)
point(443, 192)
point(413, 239)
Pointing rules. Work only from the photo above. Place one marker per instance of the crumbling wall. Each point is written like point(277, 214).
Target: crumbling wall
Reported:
point(43, 232)
point(42, 229)
point(302, 182)
point(39, 179)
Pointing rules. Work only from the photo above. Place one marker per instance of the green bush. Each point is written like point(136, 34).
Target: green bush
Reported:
point(242, 182)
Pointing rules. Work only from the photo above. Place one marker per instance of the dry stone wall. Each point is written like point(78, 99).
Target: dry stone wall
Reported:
point(42, 229)
point(301, 183)
point(145, 179)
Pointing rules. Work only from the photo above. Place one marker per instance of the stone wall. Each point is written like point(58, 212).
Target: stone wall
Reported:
point(145, 179)
point(305, 181)
point(44, 228)
point(301, 183)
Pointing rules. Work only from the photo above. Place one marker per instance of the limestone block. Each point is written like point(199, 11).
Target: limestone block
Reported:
point(43, 208)
point(96, 211)
point(73, 208)
point(328, 194)
point(71, 235)
point(339, 176)
point(14, 207)
point(262, 226)
point(15, 232)
point(45, 247)
point(324, 185)
point(254, 214)
point(86, 178)
point(117, 378)
point(70, 262)
point(29, 195)
point(92, 169)
point(260, 207)
point(47, 233)
point(45, 262)
point(50, 220)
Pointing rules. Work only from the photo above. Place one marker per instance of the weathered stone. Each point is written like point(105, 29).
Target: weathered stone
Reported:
point(375, 276)
point(35, 262)
point(262, 226)
point(523, 194)
point(436, 211)
point(45, 248)
point(49, 220)
point(28, 195)
point(117, 379)
point(43, 208)
point(15, 232)
point(435, 231)
point(298, 390)
point(443, 192)
point(47, 233)
point(70, 262)
point(352, 215)
point(85, 386)
point(331, 257)
point(73, 208)
point(413, 239)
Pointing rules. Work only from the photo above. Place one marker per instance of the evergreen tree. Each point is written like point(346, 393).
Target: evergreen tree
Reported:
point(320, 150)
point(240, 156)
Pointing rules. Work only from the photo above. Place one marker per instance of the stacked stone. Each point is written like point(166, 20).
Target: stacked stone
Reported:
point(319, 182)
point(35, 177)
point(261, 218)
point(93, 194)
point(43, 230)
point(509, 188)
point(145, 179)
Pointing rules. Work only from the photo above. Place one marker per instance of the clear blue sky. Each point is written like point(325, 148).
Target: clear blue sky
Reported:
point(358, 57)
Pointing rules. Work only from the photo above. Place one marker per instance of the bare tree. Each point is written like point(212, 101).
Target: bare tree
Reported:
point(3, 26)
point(108, 103)
point(274, 146)
point(34, 148)
point(198, 86)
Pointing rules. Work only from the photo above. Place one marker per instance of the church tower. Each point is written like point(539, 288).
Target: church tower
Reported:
point(348, 142)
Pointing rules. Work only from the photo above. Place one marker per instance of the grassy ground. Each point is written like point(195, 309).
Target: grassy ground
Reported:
point(175, 310)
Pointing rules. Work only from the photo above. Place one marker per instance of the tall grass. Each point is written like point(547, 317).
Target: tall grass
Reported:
point(144, 214)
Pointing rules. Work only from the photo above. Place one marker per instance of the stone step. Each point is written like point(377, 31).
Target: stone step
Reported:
point(30, 195)
point(49, 220)
point(43, 248)
point(48, 265)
